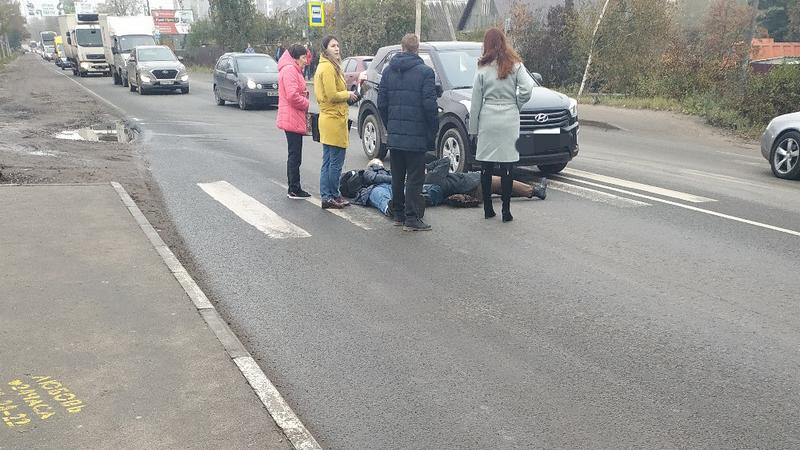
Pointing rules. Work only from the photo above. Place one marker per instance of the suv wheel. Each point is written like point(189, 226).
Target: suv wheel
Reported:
point(371, 138)
point(217, 98)
point(242, 100)
point(785, 156)
point(550, 169)
point(453, 146)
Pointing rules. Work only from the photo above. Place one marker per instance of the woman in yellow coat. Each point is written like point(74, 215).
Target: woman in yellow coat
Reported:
point(333, 98)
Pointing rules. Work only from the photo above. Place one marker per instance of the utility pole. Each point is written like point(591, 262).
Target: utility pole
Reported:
point(748, 45)
point(418, 25)
point(591, 49)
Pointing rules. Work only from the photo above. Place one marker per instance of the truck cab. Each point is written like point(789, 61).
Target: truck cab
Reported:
point(84, 46)
point(122, 34)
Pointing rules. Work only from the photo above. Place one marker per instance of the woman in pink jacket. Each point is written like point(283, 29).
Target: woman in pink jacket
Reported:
point(292, 109)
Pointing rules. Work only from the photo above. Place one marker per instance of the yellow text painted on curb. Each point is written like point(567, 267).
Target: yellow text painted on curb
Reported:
point(37, 394)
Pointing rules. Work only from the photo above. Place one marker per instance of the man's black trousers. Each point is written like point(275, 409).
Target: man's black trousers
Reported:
point(408, 175)
point(295, 141)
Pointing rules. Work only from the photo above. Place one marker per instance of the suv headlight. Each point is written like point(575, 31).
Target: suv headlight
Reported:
point(573, 107)
point(144, 78)
point(251, 84)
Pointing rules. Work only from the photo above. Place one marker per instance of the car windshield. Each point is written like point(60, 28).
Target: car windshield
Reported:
point(256, 64)
point(156, 54)
point(128, 43)
point(89, 38)
point(460, 65)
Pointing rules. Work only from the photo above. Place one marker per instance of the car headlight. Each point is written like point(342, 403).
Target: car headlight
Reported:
point(259, 85)
point(85, 65)
point(573, 107)
point(185, 77)
point(144, 78)
point(251, 84)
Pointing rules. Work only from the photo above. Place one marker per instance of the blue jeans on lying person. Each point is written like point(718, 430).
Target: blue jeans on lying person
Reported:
point(380, 196)
point(433, 194)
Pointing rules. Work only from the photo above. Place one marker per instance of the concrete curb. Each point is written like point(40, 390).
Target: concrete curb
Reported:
point(281, 412)
point(598, 124)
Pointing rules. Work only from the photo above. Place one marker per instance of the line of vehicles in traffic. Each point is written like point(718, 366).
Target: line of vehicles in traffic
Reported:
point(122, 47)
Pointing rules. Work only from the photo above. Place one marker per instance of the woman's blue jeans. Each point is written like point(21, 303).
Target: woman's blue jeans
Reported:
point(331, 171)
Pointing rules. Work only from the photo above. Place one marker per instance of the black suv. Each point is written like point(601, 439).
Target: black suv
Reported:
point(548, 125)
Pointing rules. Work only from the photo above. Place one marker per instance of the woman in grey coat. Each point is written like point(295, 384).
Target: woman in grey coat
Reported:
point(502, 86)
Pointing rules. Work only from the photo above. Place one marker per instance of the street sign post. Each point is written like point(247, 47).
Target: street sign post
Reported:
point(316, 14)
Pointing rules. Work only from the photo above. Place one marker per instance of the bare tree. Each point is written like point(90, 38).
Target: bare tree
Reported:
point(121, 7)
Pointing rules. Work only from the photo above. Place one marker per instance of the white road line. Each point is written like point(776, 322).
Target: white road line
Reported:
point(596, 196)
point(757, 158)
point(639, 186)
point(730, 179)
point(252, 211)
point(691, 208)
point(337, 212)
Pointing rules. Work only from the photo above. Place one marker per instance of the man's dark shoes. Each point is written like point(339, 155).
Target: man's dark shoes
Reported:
point(540, 191)
point(488, 210)
point(331, 204)
point(507, 217)
point(298, 194)
point(416, 225)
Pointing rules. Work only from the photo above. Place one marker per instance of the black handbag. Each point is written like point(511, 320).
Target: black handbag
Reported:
point(314, 127)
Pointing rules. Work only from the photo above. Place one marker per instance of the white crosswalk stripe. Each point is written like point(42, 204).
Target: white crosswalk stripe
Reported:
point(337, 212)
point(252, 211)
point(634, 185)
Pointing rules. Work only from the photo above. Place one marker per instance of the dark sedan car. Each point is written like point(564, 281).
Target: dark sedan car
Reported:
point(548, 122)
point(249, 79)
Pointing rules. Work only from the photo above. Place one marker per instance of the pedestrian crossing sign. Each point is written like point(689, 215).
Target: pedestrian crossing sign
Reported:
point(316, 14)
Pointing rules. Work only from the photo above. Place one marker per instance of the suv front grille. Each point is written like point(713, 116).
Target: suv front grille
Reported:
point(95, 56)
point(164, 74)
point(534, 120)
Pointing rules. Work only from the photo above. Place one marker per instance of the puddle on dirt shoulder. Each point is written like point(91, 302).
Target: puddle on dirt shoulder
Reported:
point(112, 132)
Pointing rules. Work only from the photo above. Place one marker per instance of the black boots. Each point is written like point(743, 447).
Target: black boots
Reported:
point(505, 185)
point(486, 190)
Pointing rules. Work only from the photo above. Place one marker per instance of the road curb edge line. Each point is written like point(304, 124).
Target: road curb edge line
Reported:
point(273, 401)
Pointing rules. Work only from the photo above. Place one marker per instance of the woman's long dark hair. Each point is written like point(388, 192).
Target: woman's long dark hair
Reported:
point(336, 64)
point(496, 48)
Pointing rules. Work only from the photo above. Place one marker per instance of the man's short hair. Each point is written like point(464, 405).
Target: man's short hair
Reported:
point(410, 43)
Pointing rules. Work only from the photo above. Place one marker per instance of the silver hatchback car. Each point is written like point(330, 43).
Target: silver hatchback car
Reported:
point(780, 145)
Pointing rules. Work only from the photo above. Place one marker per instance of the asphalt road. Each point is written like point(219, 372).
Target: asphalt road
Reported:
point(662, 314)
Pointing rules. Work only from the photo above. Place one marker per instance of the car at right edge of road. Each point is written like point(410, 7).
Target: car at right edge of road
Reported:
point(548, 122)
point(780, 145)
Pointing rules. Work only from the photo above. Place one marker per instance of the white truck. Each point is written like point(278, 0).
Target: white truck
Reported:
point(83, 43)
point(121, 34)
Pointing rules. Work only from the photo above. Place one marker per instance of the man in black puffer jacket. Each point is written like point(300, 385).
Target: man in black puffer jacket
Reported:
point(407, 105)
